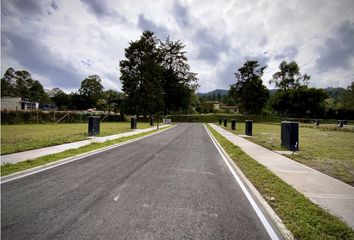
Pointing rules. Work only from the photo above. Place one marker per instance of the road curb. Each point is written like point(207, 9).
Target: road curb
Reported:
point(267, 210)
point(31, 171)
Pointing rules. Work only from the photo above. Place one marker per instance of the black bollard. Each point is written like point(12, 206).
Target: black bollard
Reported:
point(225, 122)
point(290, 135)
point(219, 121)
point(151, 121)
point(133, 123)
point(248, 127)
point(233, 124)
point(93, 125)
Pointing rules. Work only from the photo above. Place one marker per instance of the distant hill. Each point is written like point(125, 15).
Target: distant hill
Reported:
point(332, 92)
point(222, 92)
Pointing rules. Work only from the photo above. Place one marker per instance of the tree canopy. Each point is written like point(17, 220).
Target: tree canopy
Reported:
point(289, 76)
point(248, 91)
point(141, 75)
point(91, 87)
point(294, 98)
point(179, 83)
point(20, 84)
point(300, 102)
point(155, 76)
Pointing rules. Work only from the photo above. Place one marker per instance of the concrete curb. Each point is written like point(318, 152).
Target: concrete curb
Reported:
point(27, 172)
point(269, 212)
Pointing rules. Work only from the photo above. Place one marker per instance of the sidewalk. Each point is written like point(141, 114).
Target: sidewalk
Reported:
point(329, 193)
point(32, 154)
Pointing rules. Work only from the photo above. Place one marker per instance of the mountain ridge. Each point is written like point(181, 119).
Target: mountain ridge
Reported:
point(215, 91)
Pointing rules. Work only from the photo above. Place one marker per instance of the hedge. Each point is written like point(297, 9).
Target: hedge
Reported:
point(33, 117)
point(208, 118)
point(205, 118)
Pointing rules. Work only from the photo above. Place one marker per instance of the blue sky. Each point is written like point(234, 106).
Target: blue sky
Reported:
point(62, 42)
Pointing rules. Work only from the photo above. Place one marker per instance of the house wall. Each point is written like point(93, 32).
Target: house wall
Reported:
point(11, 103)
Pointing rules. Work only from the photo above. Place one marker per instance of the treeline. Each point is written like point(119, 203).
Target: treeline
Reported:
point(293, 97)
point(20, 84)
point(340, 102)
point(91, 93)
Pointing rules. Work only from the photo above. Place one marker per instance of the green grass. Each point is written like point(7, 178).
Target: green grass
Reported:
point(18, 138)
point(7, 169)
point(303, 218)
point(328, 151)
point(330, 127)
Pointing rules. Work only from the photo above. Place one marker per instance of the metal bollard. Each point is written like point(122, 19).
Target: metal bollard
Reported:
point(248, 127)
point(133, 123)
point(233, 124)
point(93, 125)
point(290, 135)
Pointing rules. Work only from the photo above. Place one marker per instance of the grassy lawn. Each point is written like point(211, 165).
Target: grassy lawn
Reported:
point(7, 169)
point(328, 151)
point(303, 218)
point(17, 138)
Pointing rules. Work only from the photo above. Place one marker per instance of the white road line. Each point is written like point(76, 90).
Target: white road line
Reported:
point(259, 213)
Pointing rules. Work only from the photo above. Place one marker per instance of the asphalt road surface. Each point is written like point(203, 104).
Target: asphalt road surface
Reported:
point(173, 185)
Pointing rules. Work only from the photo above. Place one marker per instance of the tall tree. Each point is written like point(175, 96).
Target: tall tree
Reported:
point(248, 91)
point(141, 75)
point(179, 83)
point(23, 83)
point(20, 84)
point(294, 98)
point(91, 90)
point(91, 87)
point(8, 82)
point(289, 76)
point(61, 99)
point(156, 77)
point(36, 92)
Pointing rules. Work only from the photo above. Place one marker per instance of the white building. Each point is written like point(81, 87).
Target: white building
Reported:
point(18, 103)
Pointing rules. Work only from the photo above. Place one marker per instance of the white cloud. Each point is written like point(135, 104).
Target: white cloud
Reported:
point(61, 46)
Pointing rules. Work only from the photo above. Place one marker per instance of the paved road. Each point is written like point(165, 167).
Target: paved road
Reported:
point(173, 185)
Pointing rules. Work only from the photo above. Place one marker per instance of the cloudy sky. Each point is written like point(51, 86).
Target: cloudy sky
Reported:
point(62, 42)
